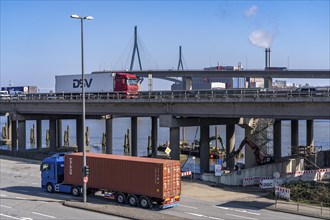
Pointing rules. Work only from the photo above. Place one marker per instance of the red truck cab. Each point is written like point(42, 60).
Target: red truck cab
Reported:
point(127, 83)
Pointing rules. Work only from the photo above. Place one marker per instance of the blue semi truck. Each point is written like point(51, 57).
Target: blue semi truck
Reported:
point(138, 181)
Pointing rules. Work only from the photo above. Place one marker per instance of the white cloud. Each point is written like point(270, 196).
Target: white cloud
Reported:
point(251, 11)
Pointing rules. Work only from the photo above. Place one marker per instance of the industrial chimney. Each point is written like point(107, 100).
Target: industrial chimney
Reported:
point(267, 57)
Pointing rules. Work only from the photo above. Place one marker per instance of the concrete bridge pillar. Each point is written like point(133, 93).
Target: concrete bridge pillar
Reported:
point(154, 136)
point(108, 136)
point(21, 135)
point(277, 140)
point(204, 152)
point(39, 134)
point(134, 136)
point(230, 145)
point(187, 83)
point(8, 128)
point(250, 159)
point(13, 135)
point(310, 132)
point(268, 82)
point(294, 132)
point(175, 143)
point(52, 135)
point(59, 135)
point(79, 134)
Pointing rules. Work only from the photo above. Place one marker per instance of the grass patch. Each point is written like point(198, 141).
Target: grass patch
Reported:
point(313, 193)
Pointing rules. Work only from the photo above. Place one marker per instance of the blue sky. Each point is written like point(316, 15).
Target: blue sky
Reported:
point(39, 40)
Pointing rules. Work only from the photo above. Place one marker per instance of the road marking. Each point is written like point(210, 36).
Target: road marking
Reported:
point(195, 214)
point(242, 217)
point(205, 216)
point(8, 216)
point(6, 206)
point(219, 207)
point(191, 207)
point(35, 183)
point(37, 213)
point(20, 198)
point(244, 211)
point(2, 195)
point(25, 191)
point(237, 210)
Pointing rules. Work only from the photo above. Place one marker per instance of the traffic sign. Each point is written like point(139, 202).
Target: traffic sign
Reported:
point(168, 151)
point(85, 179)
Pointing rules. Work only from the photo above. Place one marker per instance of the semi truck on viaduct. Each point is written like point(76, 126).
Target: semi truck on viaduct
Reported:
point(123, 83)
point(138, 181)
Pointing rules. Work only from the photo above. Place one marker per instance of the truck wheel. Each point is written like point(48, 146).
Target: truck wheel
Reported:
point(132, 200)
point(144, 202)
point(120, 198)
point(75, 191)
point(49, 188)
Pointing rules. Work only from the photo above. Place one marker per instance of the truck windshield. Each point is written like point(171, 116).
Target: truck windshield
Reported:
point(132, 82)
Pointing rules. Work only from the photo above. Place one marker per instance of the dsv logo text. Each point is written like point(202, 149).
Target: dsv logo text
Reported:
point(78, 83)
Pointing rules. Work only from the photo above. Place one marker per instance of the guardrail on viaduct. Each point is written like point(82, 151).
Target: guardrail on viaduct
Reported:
point(216, 103)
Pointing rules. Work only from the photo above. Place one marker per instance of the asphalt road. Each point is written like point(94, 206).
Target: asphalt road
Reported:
point(217, 204)
point(21, 198)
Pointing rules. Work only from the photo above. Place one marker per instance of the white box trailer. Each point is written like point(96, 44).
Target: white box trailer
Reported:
point(94, 83)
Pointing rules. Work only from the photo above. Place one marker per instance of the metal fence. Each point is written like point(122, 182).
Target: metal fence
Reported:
point(316, 209)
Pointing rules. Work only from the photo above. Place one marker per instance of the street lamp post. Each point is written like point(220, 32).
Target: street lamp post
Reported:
point(83, 99)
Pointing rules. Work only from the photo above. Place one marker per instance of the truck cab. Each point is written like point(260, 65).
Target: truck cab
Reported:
point(52, 172)
point(127, 83)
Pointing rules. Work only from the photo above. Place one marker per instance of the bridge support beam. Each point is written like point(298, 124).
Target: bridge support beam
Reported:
point(205, 149)
point(108, 136)
point(294, 132)
point(310, 132)
point(277, 140)
point(154, 136)
point(79, 134)
point(59, 135)
point(175, 143)
point(13, 135)
point(134, 136)
point(52, 135)
point(21, 135)
point(39, 134)
point(230, 145)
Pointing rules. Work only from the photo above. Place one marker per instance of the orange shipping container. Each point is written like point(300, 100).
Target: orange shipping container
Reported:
point(157, 178)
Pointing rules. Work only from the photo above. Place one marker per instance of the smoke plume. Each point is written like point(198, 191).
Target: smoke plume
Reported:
point(261, 38)
point(252, 11)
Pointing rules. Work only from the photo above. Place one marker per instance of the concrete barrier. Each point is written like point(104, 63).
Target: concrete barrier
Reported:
point(290, 170)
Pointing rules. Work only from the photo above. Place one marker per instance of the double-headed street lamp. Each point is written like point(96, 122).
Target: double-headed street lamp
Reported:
point(83, 100)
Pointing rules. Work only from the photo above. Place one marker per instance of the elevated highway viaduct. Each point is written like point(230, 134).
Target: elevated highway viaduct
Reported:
point(174, 110)
point(267, 75)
